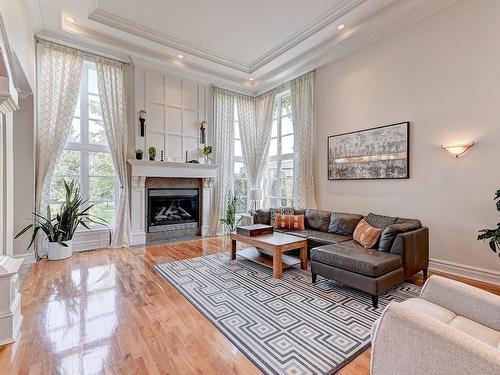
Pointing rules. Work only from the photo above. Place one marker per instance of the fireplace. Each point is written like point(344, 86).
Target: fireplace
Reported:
point(172, 209)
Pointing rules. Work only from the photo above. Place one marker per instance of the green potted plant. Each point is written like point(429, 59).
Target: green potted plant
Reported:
point(492, 235)
point(59, 227)
point(207, 151)
point(230, 220)
point(152, 153)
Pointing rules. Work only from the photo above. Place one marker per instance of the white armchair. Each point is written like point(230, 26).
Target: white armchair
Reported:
point(452, 328)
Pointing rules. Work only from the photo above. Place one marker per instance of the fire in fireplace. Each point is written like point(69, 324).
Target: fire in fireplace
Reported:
point(170, 209)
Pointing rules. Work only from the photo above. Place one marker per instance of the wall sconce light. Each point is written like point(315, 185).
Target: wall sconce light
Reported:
point(203, 132)
point(457, 150)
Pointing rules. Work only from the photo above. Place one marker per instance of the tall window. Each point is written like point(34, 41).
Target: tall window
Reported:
point(240, 177)
point(86, 156)
point(278, 181)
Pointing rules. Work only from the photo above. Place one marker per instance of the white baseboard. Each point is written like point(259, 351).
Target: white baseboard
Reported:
point(28, 258)
point(476, 273)
point(90, 240)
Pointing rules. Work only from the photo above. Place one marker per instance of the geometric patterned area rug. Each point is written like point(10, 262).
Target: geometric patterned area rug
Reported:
point(285, 326)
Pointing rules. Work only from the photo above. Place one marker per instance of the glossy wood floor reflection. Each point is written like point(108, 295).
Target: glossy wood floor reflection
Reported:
point(108, 312)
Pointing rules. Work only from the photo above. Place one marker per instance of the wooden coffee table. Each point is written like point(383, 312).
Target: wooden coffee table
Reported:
point(269, 250)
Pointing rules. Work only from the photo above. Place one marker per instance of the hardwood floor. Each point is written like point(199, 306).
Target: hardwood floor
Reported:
point(107, 311)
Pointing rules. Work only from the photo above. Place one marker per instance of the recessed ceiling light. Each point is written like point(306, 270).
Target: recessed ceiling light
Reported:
point(341, 26)
point(180, 56)
point(251, 79)
point(69, 19)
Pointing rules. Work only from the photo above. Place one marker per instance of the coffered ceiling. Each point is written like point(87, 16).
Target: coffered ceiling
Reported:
point(249, 46)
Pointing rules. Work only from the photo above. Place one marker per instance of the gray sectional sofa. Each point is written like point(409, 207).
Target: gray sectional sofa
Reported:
point(402, 251)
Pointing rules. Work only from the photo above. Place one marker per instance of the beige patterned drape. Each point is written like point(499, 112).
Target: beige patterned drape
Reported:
point(223, 155)
point(112, 94)
point(60, 73)
point(302, 90)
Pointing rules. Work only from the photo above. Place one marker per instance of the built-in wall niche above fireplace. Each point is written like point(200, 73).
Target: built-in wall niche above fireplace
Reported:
point(172, 209)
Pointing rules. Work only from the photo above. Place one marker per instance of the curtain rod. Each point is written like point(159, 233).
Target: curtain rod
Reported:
point(85, 52)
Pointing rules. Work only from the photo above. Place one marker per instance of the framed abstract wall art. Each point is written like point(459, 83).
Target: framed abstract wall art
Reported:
point(377, 153)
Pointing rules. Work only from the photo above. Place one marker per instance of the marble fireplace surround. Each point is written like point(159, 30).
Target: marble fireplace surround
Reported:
point(145, 174)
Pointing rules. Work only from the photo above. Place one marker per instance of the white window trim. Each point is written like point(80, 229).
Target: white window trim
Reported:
point(279, 158)
point(84, 147)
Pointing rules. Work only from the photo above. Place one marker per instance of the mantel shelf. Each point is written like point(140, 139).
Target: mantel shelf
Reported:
point(147, 168)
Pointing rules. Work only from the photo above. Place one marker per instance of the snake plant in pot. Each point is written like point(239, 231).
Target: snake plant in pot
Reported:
point(60, 226)
point(492, 235)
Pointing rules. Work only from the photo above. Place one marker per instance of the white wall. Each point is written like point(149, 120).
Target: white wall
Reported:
point(443, 75)
point(18, 25)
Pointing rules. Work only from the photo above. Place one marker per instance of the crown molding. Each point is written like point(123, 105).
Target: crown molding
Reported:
point(324, 20)
point(318, 24)
point(147, 33)
point(368, 31)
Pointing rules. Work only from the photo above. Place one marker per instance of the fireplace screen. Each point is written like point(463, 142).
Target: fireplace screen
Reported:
point(172, 209)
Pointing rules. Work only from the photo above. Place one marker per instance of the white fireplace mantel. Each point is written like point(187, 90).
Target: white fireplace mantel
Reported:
point(146, 168)
point(141, 169)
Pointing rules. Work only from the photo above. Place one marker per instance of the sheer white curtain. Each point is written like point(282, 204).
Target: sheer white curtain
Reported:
point(112, 94)
point(254, 117)
point(302, 90)
point(59, 77)
point(223, 155)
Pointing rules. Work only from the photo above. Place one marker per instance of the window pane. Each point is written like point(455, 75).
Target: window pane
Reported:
point(74, 136)
point(236, 131)
point(237, 148)
point(69, 164)
point(271, 188)
point(97, 134)
point(77, 109)
point(287, 145)
point(102, 188)
point(57, 191)
point(274, 129)
point(286, 125)
point(101, 164)
point(286, 188)
point(94, 108)
point(275, 110)
point(287, 168)
point(241, 205)
point(272, 169)
point(105, 211)
point(239, 170)
point(286, 106)
point(92, 82)
point(272, 202)
point(273, 147)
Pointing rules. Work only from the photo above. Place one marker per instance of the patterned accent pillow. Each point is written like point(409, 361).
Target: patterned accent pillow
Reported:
point(289, 222)
point(281, 211)
point(380, 221)
point(366, 235)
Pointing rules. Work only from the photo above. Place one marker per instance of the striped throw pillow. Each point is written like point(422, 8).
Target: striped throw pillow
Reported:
point(289, 222)
point(366, 235)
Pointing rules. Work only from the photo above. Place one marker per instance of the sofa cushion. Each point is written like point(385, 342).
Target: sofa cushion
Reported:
point(262, 216)
point(327, 238)
point(317, 220)
point(380, 221)
point(366, 235)
point(431, 309)
point(390, 232)
point(342, 223)
point(279, 210)
point(485, 334)
point(353, 257)
point(289, 222)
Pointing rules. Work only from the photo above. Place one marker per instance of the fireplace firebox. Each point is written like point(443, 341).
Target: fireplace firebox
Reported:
point(172, 209)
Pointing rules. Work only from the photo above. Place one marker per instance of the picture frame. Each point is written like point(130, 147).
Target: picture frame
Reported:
point(379, 153)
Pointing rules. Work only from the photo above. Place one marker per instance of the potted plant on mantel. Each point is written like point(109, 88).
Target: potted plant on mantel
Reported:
point(61, 226)
point(492, 235)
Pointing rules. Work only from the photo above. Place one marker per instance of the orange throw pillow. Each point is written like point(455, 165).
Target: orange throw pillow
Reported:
point(366, 235)
point(289, 222)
